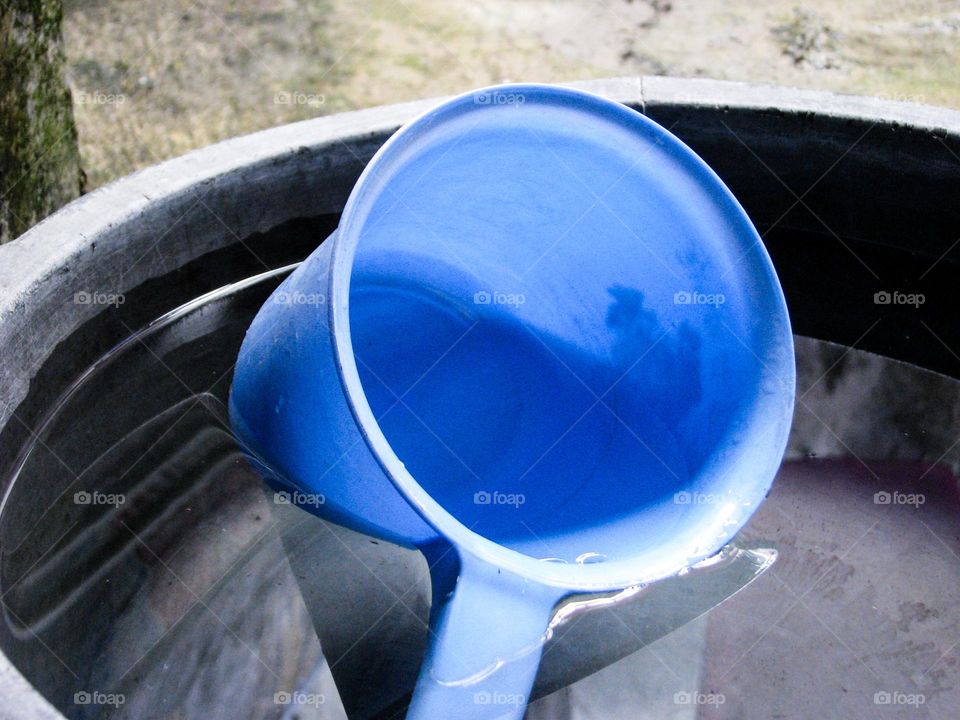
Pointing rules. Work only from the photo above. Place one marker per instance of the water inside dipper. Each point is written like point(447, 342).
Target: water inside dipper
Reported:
point(503, 433)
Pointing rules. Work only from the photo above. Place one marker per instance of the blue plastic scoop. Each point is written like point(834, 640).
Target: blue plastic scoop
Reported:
point(547, 347)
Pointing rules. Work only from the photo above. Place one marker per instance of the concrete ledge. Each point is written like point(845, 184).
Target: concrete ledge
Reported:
point(699, 92)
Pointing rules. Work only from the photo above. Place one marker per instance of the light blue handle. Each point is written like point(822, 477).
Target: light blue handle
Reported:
point(487, 632)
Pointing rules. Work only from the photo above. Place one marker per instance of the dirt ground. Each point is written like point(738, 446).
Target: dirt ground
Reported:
point(156, 78)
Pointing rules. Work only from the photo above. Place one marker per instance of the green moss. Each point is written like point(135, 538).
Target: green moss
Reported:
point(39, 162)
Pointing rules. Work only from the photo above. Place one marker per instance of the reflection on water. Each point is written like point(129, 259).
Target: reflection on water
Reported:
point(658, 365)
point(143, 566)
point(160, 470)
point(557, 446)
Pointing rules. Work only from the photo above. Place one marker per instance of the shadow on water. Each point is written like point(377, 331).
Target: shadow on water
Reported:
point(530, 438)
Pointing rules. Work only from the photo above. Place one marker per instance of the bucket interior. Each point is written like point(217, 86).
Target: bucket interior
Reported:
point(141, 556)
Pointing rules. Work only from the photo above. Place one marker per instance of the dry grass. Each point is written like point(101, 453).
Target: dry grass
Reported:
point(155, 78)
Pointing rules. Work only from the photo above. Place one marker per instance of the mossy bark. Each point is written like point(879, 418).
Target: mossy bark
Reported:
point(39, 160)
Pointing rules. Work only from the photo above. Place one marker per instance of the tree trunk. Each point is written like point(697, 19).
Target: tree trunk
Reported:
point(39, 160)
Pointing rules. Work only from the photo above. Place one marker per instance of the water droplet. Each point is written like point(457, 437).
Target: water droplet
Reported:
point(589, 558)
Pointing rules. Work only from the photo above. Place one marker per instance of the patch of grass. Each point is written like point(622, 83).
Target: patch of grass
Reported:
point(806, 38)
point(156, 79)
